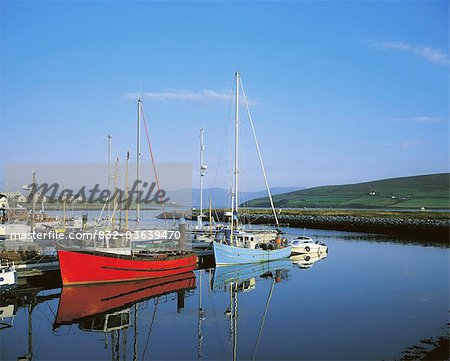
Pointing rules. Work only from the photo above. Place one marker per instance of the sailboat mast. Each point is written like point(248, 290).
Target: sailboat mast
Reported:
point(33, 204)
point(234, 192)
point(127, 189)
point(236, 146)
point(108, 137)
point(210, 217)
point(116, 170)
point(138, 161)
point(202, 174)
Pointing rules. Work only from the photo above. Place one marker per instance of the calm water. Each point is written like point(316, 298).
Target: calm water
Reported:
point(366, 300)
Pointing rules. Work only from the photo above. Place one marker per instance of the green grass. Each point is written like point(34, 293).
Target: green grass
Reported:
point(429, 191)
point(373, 213)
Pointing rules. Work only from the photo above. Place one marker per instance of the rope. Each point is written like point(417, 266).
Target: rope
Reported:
point(153, 160)
point(259, 154)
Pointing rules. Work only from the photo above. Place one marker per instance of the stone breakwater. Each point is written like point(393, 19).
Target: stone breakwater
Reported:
point(419, 229)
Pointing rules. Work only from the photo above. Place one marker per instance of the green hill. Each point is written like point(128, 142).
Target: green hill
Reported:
point(429, 191)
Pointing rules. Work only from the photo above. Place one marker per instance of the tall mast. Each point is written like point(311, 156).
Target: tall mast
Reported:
point(202, 174)
point(138, 160)
point(64, 209)
point(33, 204)
point(210, 217)
point(108, 137)
point(236, 146)
point(234, 192)
point(116, 170)
point(127, 189)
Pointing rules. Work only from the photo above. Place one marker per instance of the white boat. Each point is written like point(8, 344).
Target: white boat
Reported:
point(304, 244)
point(8, 276)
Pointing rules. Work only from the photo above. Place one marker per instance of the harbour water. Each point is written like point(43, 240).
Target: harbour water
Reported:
point(370, 298)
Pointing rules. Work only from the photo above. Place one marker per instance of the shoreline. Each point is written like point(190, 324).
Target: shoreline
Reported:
point(424, 227)
point(428, 349)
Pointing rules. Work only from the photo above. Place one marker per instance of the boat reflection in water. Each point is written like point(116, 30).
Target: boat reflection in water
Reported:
point(242, 278)
point(79, 302)
point(107, 308)
point(307, 260)
point(246, 274)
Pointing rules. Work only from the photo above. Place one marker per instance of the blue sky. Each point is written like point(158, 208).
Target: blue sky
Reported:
point(340, 91)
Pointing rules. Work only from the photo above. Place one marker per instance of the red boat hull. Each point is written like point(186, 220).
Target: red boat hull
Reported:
point(79, 302)
point(81, 267)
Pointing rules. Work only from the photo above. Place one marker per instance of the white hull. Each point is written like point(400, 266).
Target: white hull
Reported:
point(309, 248)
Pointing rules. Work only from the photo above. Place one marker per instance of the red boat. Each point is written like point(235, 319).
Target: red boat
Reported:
point(78, 303)
point(83, 267)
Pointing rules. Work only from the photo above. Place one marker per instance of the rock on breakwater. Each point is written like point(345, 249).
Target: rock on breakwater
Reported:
point(436, 230)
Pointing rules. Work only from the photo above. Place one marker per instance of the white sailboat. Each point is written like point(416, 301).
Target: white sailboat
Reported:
point(237, 246)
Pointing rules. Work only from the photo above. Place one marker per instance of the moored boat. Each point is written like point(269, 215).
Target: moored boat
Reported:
point(225, 254)
point(233, 245)
point(305, 244)
point(83, 267)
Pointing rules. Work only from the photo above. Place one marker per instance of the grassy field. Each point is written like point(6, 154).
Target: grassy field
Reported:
point(429, 191)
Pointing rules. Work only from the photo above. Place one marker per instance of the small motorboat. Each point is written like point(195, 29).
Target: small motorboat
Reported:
point(8, 276)
point(305, 244)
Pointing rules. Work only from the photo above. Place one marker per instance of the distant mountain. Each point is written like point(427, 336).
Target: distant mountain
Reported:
point(221, 197)
point(429, 191)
